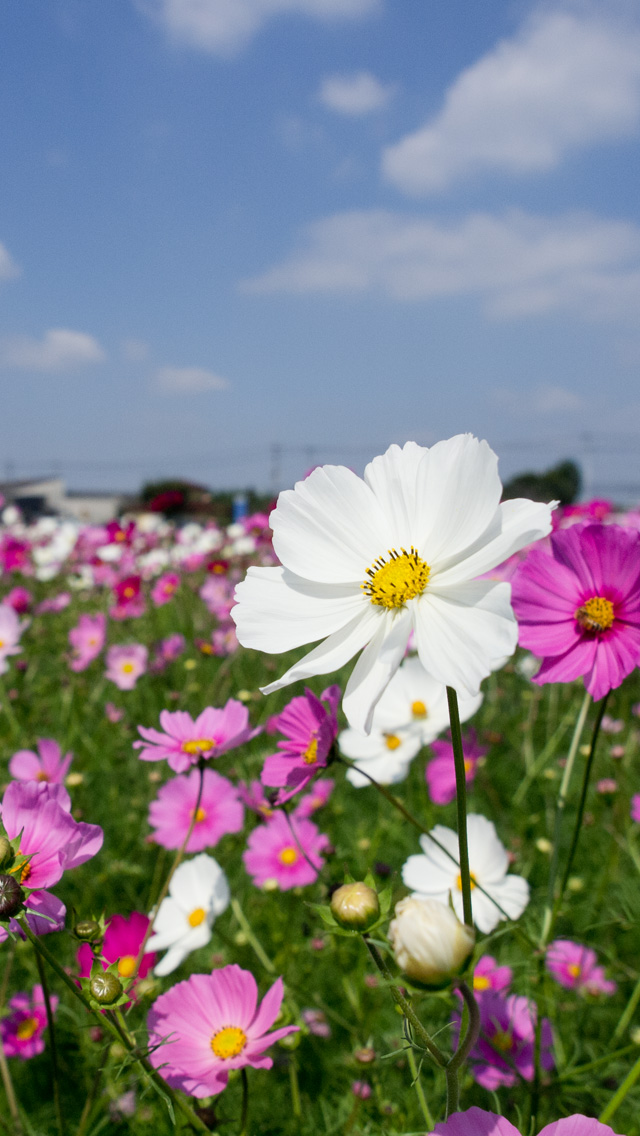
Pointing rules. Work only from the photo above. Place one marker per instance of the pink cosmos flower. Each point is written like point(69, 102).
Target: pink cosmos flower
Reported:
point(87, 640)
point(507, 1028)
point(361, 1089)
point(288, 857)
point(113, 712)
point(224, 640)
point(167, 651)
point(606, 785)
point(611, 725)
point(10, 632)
point(220, 811)
point(122, 941)
point(440, 773)
point(126, 664)
point(477, 1122)
point(253, 796)
point(488, 976)
point(316, 799)
point(316, 1023)
point(203, 1028)
point(22, 1030)
point(54, 603)
point(20, 599)
point(217, 594)
point(579, 608)
point(47, 764)
point(574, 966)
point(185, 741)
point(129, 599)
point(310, 731)
point(165, 588)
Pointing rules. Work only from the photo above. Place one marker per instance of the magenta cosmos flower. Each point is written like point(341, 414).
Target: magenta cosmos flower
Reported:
point(477, 1122)
point(22, 1030)
point(203, 1028)
point(309, 730)
point(165, 588)
point(122, 941)
point(185, 741)
point(87, 640)
point(579, 608)
point(126, 664)
point(575, 967)
point(278, 855)
point(47, 764)
point(440, 773)
point(220, 811)
point(506, 1044)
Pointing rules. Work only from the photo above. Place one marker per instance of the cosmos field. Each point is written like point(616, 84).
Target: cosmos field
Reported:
point(145, 774)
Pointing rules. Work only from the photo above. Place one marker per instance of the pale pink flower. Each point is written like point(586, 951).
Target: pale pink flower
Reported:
point(283, 855)
point(220, 811)
point(185, 741)
point(203, 1028)
point(253, 796)
point(316, 799)
point(316, 1023)
point(87, 639)
point(575, 966)
point(23, 1028)
point(611, 725)
point(54, 603)
point(113, 713)
point(488, 976)
point(10, 632)
point(477, 1122)
point(361, 1089)
point(165, 588)
point(47, 764)
point(126, 664)
point(224, 640)
point(607, 785)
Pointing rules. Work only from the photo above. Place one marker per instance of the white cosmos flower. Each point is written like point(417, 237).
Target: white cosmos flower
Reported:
point(198, 892)
point(365, 562)
point(385, 754)
point(435, 876)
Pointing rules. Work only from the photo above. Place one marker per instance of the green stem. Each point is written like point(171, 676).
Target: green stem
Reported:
point(560, 807)
point(245, 1102)
point(419, 1090)
point(628, 1012)
point(106, 1022)
point(93, 1092)
point(618, 1097)
point(9, 1091)
point(463, 1050)
point(407, 1009)
point(53, 1045)
point(461, 804)
point(257, 946)
point(295, 1088)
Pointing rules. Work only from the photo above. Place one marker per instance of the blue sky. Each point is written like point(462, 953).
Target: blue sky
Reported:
point(240, 237)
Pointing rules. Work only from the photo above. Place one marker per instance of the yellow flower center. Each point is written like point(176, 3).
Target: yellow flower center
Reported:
point(197, 916)
point(127, 668)
point(418, 709)
point(468, 765)
point(481, 982)
point(392, 582)
point(392, 741)
point(228, 1042)
point(129, 592)
point(574, 969)
point(198, 746)
point(27, 1028)
point(41, 775)
point(596, 614)
point(310, 755)
point(472, 880)
point(200, 815)
point(25, 872)
point(126, 966)
point(288, 856)
point(502, 1041)
point(1, 642)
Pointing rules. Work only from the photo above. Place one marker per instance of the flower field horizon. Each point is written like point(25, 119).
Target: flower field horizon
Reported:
point(172, 957)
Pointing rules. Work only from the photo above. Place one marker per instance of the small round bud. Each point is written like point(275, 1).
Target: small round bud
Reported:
point(355, 906)
point(106, 988)
point(6, 853)
point(11, 896)
point(87, 930)
point(430, 943)
point(365, 1055)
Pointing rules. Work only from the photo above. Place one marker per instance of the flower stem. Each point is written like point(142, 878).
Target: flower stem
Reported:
point(463, 1050)
point(295, 1088)
point(620, 1094)
point(461, 804)
point(419, 1089)
point(560, 807)
point(9, 1092)
point(245, 1102)
point(106, 1022)
point(93, 1092)
point(246, 927)
point(406, 1007)
point(53, 1046)
point(627, 1013)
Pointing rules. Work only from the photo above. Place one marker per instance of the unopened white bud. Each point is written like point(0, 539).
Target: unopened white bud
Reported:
point(430, 943)
point(355, 906)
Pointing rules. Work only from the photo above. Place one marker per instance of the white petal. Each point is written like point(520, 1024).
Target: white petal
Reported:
point(170, 962)
point(461, 631)
point(330, 528)
point(426, 878)
point(373, 670)
point(386, 769)
point(488, 859)
point(335, 651)
point(517, 524)
point(396, 480)
point(460, 496)
point(277, 611)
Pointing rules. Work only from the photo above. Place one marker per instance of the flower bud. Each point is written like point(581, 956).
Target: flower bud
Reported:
point(430, 943)
point(87, 930)
point(6, 853)
point(106, 988)
point(355, 906)
point(11, 896)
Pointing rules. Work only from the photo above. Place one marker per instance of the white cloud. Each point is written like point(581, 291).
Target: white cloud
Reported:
point(59, 350)
point(223, 27)
point(357, 94)
point(188, 380)
point(8, 267)
point(565, 81)
point(516, 264)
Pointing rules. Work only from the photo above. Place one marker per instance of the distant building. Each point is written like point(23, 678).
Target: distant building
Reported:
point(49, 496)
